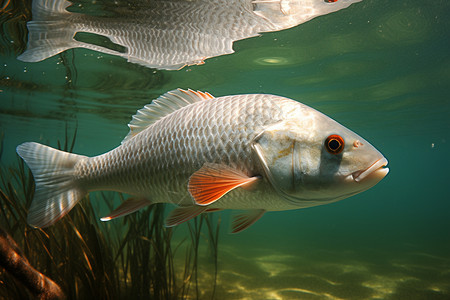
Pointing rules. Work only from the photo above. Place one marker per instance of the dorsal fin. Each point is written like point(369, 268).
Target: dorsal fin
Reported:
point(163, 106)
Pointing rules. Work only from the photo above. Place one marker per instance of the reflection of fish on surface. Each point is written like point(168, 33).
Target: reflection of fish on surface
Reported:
point(252, 152)
point(167, 34)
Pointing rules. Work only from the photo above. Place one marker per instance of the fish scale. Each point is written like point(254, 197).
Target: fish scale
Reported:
point(254, 152)
point(208, 131)
point(156, 40)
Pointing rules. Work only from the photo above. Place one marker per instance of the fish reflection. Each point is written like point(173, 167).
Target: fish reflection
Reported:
point(165, 34)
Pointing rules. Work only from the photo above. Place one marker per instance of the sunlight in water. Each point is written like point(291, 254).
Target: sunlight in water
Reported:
point(272, 61)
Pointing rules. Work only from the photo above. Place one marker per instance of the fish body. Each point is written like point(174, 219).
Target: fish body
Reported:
point(216, 131)
point(166, 34)
point(254, 152)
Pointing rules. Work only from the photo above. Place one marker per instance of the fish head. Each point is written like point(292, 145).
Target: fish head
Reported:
point(312, 160)
point(288, 13)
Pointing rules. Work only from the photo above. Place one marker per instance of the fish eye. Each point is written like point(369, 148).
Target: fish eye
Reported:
point(334, 144)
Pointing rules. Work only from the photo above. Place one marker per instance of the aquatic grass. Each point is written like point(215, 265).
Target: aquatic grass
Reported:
point(67, 252)
point(2, 138)
point(13, 17)
point(194, 230)
point(128, 258)
point(213, 238)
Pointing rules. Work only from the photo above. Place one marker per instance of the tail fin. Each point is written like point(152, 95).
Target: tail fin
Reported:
point(49, 33)
point(56, 189)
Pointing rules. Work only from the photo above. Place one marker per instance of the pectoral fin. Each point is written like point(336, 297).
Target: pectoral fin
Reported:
point(129, 206)
point(212, 181)
point(245, 220)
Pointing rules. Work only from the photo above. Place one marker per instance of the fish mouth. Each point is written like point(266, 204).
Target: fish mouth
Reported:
point(377, 169)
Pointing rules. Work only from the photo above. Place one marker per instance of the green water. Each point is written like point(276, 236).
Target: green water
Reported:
point(381, 68)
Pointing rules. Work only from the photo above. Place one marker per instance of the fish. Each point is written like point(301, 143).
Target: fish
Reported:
point(253, 153)
point(164, 34)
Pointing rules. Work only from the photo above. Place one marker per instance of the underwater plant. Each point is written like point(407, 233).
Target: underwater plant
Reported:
point(135, 257)
point(13, 261)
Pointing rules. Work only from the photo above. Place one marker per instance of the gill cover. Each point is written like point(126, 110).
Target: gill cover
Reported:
point(278, 152)
point(288, 13)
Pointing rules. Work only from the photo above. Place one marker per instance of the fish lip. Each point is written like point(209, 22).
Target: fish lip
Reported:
point(377, 165)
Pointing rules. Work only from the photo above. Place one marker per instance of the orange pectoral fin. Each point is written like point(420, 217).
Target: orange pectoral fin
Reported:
point(212, 181)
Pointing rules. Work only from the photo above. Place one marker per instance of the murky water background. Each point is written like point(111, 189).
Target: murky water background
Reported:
point(380, 68)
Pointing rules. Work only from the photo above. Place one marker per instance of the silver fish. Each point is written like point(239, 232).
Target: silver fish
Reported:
point(167, 34)
point(253, 152)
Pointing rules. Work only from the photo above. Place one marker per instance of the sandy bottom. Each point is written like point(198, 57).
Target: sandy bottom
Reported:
point(324, 274)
